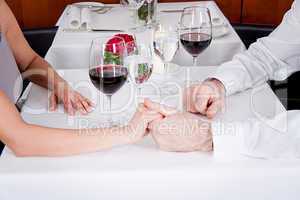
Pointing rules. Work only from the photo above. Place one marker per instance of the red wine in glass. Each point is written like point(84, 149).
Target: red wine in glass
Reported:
point(108, 78)
point(195, 43)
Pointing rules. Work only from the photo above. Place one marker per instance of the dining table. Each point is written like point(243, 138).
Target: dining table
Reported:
point(70, 49)
point(142, 170)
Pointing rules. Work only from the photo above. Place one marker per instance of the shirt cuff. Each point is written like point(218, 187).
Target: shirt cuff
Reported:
point(228, 139)
point(230, 74)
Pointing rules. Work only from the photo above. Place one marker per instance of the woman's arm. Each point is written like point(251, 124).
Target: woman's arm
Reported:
point(30, 140)
point(38, 70)
point(26, 58)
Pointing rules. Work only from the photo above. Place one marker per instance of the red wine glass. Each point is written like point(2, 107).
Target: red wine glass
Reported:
point(195, 30)
point(106, 69)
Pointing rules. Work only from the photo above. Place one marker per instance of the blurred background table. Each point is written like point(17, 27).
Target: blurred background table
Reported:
point(74, 45)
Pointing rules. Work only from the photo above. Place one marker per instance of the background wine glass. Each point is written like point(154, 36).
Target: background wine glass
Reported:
point(133, 5)
point(106, 69)
point(195, 30)
point(166, 44)
point(139, 63)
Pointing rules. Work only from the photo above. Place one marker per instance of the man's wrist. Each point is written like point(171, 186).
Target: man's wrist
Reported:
point(219, 84)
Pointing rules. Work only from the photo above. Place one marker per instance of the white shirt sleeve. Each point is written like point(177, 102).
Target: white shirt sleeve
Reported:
point(275, 138)
point(274, 57)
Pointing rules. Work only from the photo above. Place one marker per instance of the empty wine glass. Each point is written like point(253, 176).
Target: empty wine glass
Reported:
point(195, 30)
point(139, 63)
point(166, 44)
point(106, 69)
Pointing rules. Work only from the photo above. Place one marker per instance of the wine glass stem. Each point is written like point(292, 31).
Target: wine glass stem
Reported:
point(109, 97)
point(136, 16)
point(139, 91)
point(166, 68)
point(139, 94)
point(149, 13)
point(194, 61)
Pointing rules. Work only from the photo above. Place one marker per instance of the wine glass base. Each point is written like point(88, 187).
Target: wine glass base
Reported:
point(172, 68)
point(109, 123)
point(169, 90)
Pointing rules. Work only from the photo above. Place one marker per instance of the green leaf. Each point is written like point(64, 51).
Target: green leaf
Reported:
point(110, 58)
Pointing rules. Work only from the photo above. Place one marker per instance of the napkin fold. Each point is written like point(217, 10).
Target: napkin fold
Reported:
point(78, 18)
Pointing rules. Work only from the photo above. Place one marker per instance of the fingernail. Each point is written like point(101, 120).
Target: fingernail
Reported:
point(89, 109)
point(83, 111)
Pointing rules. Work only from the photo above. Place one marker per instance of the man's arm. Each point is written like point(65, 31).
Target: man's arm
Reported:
point(273, 57)
point(275, 138)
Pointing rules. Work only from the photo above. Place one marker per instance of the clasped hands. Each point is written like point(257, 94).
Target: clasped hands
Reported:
point(182, 131)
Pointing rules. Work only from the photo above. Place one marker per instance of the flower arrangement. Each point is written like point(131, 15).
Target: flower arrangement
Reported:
point(113, 50)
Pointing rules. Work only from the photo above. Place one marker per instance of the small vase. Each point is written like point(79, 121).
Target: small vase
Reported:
point(147, 13)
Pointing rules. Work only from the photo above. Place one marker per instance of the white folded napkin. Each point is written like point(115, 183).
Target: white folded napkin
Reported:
point(78, 18)
point(218, 21)
point(85, 19)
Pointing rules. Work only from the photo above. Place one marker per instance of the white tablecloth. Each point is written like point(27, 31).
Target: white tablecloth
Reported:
point(141, 171)
point(71, 49)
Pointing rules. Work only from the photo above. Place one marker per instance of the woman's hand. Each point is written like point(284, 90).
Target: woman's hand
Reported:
point(179, 132)
point(137, 128)
point(72, 101)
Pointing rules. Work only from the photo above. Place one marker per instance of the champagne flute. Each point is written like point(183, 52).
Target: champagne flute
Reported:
point(195, 30)
point(139, 63)
point(106, 69)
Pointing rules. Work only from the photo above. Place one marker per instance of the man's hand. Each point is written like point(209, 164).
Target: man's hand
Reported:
point(207, 98)
point(179, 132)
point(72, 101)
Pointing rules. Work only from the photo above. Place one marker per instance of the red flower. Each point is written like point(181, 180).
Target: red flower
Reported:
point(115, 46)
point(118, 49)
point(127, 38)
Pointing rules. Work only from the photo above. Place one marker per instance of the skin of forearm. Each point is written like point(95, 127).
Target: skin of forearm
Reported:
point(31, 65)
point(40, 72)
point(30, 140)
point(65, 142)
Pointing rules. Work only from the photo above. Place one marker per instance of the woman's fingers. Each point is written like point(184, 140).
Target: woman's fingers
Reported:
point(147, 114)
point(87, 104)
point(53, 102)
point(153, 124)
point(73, 101)
point(68, 106)
point(78, 106)
point(163, 110)
point(150, 116)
